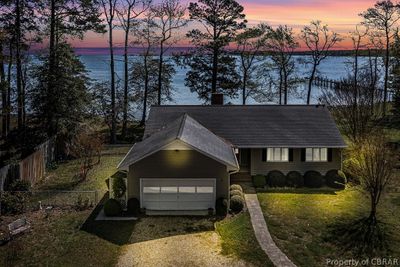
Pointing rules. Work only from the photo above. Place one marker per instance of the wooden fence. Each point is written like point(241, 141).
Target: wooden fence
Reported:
point(31, 168)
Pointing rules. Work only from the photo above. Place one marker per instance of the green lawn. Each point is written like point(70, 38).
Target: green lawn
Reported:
point(238, 239)
point(58, 240)
point(63, 177)
point(304, 222)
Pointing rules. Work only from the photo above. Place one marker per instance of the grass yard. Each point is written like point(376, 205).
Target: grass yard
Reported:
point(58, 240)
point(303, 222)
point(63, 177)
point(238, 239)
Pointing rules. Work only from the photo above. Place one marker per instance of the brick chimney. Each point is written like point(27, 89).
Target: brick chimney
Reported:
point(217, 99)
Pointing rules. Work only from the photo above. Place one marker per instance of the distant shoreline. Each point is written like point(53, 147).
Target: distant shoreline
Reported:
point(83, 51)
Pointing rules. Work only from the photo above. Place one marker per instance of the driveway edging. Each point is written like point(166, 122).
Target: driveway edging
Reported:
point(262, 234)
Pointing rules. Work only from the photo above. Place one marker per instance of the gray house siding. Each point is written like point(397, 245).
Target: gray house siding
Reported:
point(261, 167)
point(177, 164)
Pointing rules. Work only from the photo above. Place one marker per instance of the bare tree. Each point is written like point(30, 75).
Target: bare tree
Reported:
point(372, 162)
point(383, 18)
point(145, 36)
point(357, 38)
point(351, 113)
point(282, 44)
point(319, 40)
point(169, 17)
point(109, 10)
point(86, 147)
point(128, 11)
point(249, 47)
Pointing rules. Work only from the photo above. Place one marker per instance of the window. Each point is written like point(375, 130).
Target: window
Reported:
point(277, 154)
point(151, 189)
point(205, 189)
point(169, 189)
point(317, 154)
point(187, 189)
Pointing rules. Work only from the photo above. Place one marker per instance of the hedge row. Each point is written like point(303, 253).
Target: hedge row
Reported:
point(313, 179)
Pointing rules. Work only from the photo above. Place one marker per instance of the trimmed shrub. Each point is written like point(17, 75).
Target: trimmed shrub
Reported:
point(235, 193)
point(221, 206)
point(236, 204)
point(259, 181)
point(19, 185)
point(118, 186)
point(236, 187)
point(133, 206)
point(12, 203)
point(294, 179)
point(313, 179)
point(276, 179)
point(335, 179)
point(112, 207)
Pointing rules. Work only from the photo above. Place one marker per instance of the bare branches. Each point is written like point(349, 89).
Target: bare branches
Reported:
point(372, 162)
point(319, 40)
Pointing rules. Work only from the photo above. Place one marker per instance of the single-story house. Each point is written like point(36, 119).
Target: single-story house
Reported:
point(190, 155)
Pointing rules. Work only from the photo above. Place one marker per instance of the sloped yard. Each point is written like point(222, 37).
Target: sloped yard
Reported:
point(304, 223)
point(57, 239)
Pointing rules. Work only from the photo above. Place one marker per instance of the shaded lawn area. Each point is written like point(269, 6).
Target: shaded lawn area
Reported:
point(302, 222)
point(58, 241)
point(238, 239)
point(63, 177)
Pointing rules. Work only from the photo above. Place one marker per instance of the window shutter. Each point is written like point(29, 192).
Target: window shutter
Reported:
point(290, 154)
point(303, 154)
point(330, 154)
point(264, 155)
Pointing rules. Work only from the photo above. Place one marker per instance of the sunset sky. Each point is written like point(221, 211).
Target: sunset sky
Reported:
point(340, 15)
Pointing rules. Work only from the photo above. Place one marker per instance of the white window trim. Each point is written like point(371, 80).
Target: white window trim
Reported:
point(320, 149)
point(281, 149)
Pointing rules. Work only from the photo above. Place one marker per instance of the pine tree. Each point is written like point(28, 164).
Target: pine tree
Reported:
point(212, 67)
point(68, 106)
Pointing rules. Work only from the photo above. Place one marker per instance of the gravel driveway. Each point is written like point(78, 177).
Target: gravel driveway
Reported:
point(198, 249)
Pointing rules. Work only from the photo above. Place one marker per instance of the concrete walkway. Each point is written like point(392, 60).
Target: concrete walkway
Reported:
point(262, 234)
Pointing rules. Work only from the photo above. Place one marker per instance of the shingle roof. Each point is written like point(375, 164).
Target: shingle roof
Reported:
point(256, 126)
point(189, 131)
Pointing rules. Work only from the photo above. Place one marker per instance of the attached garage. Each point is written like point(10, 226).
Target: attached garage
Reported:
point(178, 194)
point(183, 167)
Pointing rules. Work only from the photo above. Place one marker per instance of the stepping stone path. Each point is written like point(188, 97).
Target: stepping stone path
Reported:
point(263, 236)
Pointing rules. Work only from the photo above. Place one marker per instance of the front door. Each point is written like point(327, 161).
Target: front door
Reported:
point(244, 159)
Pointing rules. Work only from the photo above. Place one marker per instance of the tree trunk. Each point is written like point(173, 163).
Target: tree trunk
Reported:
point(9, 89)
point(52, 65)
point(3, 86)
point(387, 59)
point(126, 78)
point(112, 68)
point(280, 86)
point(18, 63)
point(244, 86)
point(160, 70)
point(214, 71)
point(146, 88)
point(372, 214)
point(285, 86)
point(314, 69)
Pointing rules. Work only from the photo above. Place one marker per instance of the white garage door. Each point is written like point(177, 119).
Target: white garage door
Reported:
point(177, 194)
